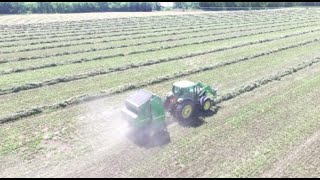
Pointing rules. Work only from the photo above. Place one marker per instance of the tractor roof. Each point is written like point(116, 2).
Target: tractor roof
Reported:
point(184, 84)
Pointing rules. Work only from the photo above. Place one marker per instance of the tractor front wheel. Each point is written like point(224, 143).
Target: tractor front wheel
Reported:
point(206, 104)
point(185, 110)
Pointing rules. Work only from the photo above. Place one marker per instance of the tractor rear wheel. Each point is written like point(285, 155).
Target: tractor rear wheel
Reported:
point(185, 110)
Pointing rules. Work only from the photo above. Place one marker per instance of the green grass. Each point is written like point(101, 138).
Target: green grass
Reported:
point(27, 138)
point(277, 134)
point(49, 73)
point(210, 28)
point(105, 31)
point(243, 72)
point(249, 70)
point(56, 50)
point(244, 139)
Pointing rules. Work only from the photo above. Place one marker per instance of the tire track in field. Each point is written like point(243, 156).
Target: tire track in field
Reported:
point(144, 43)
point(121, 89)
point(98, 72)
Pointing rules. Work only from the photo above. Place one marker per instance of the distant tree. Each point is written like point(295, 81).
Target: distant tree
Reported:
point(44, 7)
point(156, 6)
point(12, 8)
point(103, 6)
point(133, 6)
point(78, 7)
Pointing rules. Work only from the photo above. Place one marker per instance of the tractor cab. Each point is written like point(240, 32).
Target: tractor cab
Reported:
point(184, 89)
point(187, 90)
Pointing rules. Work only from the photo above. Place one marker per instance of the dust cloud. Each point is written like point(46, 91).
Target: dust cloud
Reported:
point(103, 127)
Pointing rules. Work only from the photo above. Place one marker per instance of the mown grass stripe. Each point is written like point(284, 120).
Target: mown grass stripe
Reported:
point(192, 24)
point(147, 63)
point(112, 22)
point(88, 97)
point(146, 19)
point(82, 38)
point(82, 60)
point(144, 43)
point(150, 25)
point(92, 32)
point(139, 32)
point(195, 26)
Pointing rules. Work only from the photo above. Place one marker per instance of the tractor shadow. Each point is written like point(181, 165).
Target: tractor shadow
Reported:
point(199, 118)
point(143, 140)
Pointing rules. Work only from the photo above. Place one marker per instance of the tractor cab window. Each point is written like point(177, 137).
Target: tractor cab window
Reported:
point(196, 89)
point(177, 91)
point(192, 91)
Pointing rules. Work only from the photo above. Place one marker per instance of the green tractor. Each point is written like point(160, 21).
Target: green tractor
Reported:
point(187, 97)
point(145, 110)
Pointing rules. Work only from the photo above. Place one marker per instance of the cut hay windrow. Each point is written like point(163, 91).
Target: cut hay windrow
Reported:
point(117, 23)
point(120, 22)
point(198, 29)
point(153, 25)
point(273, 24)
point(152, 49)
point(94, 73)
point(82, 23)
point(106, 30)
point(113, 23)
point(185, 27)
point(73, 24)
point(135, 19)
point(82, 60)
point(265, 80)
point(157, 60)
point(89, 97)
point(145, 26)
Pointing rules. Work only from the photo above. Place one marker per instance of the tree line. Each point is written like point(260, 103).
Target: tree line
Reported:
point(239, 5)
point(75, 7)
